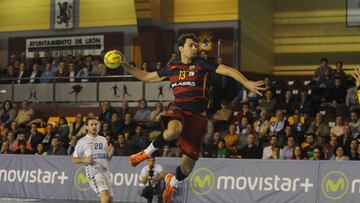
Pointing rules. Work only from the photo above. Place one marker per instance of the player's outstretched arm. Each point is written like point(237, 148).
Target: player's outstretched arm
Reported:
point(254, 86)
point(141, 74)
point(356, 76)
point(78, 160)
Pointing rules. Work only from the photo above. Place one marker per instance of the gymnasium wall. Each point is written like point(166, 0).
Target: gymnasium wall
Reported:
point(256, 35)
point(307, 30)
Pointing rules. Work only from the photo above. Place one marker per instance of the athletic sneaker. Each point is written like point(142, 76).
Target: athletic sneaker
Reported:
point(169, 191)
point(137, 158)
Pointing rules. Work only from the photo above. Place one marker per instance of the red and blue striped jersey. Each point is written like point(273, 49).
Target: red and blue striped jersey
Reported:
point(189, 83)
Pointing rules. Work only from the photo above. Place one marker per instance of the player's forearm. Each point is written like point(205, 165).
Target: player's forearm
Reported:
point(137, 73)
point(232, 72)
point(77, 160)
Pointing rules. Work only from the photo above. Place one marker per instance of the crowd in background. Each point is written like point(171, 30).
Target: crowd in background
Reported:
point(316, 119)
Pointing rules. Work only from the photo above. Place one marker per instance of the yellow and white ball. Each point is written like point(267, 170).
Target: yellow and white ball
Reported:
point(113, 59)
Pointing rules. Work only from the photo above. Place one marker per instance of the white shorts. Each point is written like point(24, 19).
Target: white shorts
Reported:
point(101, 182)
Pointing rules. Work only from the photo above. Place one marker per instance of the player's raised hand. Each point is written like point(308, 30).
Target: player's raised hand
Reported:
point(88, 160)
point(356, 76)
point(254, 86)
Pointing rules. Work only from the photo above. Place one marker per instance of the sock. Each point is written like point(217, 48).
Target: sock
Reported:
point(150, 149)
point(159, 141)
point(178, 178)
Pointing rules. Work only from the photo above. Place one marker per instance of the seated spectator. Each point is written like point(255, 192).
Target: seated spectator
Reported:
point(83, 74)
point(77, 127)
point(289, 148)
point(23, 73)
point(124, 109)
point(339, 154)
point(251, 150)
point(115, 125)
point(320, 71)
point(339, 72)
point(157, 113)
point(267, 151)
point(10, 75)
point(351, 98)
point(262, 125)
point(309, 145)
point(105, 130)
point(99, 69)
point(14, 128)
point(298, 129)
point(268, 102)
point(275, 152)
point(345, 138)
point(304, 104)
point(22, 138)
point(287, 104)
point(61, 73)
point(232, 140)
point(211, 145)
point(338, 129)
point(35, 74)
point(34, 136)
point(25, 114)
point(106, 112)
point(222, 116)
point(5, 148)
point(336, 94)
point(7, 113)
point(121, 147)
point(142, 114)
point(329, 149)
point(72, 72)
point(55, 148)
point(73, 142)
point(221, 151)
point(127, 124)
point(298, 154)
point(327, 80)
point(47, 75)
point(318, 127)
point(62, 128)
point(166, 151)
point(138, 141)
point(48, 136)
point(278, 126)
point(40, 150)
point(352, 150)
point(316, 154)
point(3, 131)
point(354, 124)
point(244, 112)
point(22, 149)
point(12, 140)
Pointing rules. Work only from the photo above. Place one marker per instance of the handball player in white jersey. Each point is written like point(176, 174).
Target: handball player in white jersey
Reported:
point(94, 151)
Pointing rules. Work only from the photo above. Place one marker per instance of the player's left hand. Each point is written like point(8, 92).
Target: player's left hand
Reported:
point(110, 150)
point(356, 76)
point(254, 86)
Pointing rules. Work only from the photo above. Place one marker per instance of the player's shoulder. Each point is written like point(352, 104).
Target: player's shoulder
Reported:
point(101, 138)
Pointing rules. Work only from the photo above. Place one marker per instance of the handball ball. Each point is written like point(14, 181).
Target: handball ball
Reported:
point(113, 59)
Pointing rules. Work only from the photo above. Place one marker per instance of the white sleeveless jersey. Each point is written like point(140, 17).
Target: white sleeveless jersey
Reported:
point(97, 148)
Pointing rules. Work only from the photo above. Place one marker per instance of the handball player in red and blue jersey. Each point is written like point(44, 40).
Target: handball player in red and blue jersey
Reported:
point(186, 119)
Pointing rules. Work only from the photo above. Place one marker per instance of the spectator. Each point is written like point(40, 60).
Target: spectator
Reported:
point(48, 136)
point(88, 62)
point(222, 116)
point(232, 140)
point(35, 74)
point(142, 114)
point(25, 114)
point(352, 99)
point(77, 127)
point(124, 109)
point(304, 104)
point(55, 148)
point(63, 130)
point(319, 127)
point(262, 125)
point(10, 74)
point(11, 139)
point(106, 112)
point(309, 144)
point(84, 74)
point(145, 66)
point(99, 69)
point(22, 138)
point(320, 71)
point(14, 128)
point(5, 148)
point(173, 58)
point(72, 72)
point(115, 125)
point(40, 150)
point(105, 130)
point(23, 73)
point(327, 80)
point(277, 127)
point(47, 75)
point(338, 129)
point(268, 102)
point(250, 151)
point(345, 138)
point(244, 112)
point(287, 104)
point(354, 124)
point(138, 141)
point(158, 66)
point(121, 147)
point(339, 154)
point(157, 113)
point(336, 94)
point(34, 136)
point(166, 151)
point(221, 151)
point(7, 113)
point(151, 177)
point(329, 149)
point(298, 154)
point(339, 72)
point(22, 149)
point(352, 150)
point(267, 151)
point(289, 148)
point(316, 154)
point(61, 73)
point(298, 129)
point(127, 124)
point(72, 144)
point(275, 152)
point(3, 131)
point(210, 149)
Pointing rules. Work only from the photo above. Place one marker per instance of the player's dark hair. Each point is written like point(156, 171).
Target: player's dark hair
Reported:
point(183, 37)
point(89, 119)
